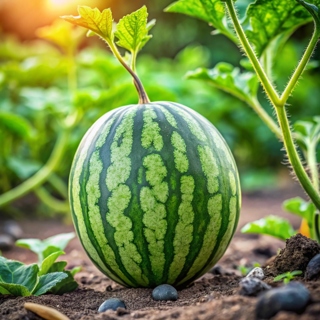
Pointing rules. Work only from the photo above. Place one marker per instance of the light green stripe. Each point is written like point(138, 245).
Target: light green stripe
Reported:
point(151, 131)
point(210, 168)
point(169, 117)
point(210, 236)
point(191, 122)
point(117, 174)
point(152, 204)
point(184, 229)
point(94, 194)
point(228, 234)
point(233, 184)
point(77, 209)
point(179, 153)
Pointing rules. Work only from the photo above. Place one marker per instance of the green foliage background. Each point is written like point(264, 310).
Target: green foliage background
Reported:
point(34, 96)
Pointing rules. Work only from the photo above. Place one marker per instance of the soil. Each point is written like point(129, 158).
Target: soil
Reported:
point(215, 296)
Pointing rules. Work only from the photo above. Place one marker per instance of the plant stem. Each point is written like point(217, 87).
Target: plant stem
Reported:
point(38, 178)
point(313, 165)
point(266, 83)
point(58, 184)
point(294, 158)
point(301, 66)
point(47, 199)
point(143, 97)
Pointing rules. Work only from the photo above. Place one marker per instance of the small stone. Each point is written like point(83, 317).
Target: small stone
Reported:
point(12, 229)
point(292, 297)
point(252, 286)
point(256, 273)
point(313, 268)
point(112, 304)
point(165, 292)
point(6, 242)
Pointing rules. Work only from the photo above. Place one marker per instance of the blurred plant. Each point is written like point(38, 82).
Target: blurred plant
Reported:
point(287, 276)
point(261, 34)
point(48, 275)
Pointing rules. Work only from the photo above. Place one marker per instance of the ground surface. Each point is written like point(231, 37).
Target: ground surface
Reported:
point(214, 296)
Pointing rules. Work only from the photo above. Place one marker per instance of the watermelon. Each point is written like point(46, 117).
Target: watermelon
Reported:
point(155, 194)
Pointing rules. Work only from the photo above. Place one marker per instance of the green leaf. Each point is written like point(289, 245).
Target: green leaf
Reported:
point(313, 10)
point(48, 262)
point(75, 270)
point(23, 168)
point(16, 273)
point(132, 30)
point(300, 207)
point(272, 225)
point(94, 20)
point(58, 266)
point(68, 284)
point(44, 248)
point(211, 11)
point(224, 76)
point(62, 34)
point(16, 125)
point(48, 281)
point(270, 19)
point(307, 133)
point(14, 289)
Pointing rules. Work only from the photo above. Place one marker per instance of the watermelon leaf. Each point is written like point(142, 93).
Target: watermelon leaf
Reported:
point(48, 262)
point(43, 248)
point(300, 207)
point(132, 30)
point(67, 284)
point(47, 282)
point(94, 20)
point(272, 226)
point(211, 11)
point(224, 76)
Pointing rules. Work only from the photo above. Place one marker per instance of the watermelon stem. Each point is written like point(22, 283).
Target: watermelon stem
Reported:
point(143, 97)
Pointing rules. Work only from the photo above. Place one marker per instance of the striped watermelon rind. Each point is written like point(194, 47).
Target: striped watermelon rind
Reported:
point(155, 194)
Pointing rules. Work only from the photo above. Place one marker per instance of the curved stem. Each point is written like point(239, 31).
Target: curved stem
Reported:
point(294, 158)
point(301, 66)
point(47, 199)
point(266, 83)
point(58, 184)
point(143, 97)
point(42, 175)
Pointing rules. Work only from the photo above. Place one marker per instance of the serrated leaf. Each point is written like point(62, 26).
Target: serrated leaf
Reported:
point(48, 281)
point(68, 284)
point(94, 20)
point(270, 19)
point(16, 273)
point(211, 11)
point(300, 207)
point(132, 30)
point(224, 76)
point(48, 262)
point(271, 225)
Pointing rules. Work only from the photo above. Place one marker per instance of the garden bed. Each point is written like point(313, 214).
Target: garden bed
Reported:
point(214, 296)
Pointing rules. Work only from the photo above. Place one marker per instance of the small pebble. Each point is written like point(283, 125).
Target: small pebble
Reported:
point(256, 273)
point(252, 286)
point(6, 242)
point(165, 292)
point(313, 268)
point(12, 229)
point(292, 297)
point(112, 304)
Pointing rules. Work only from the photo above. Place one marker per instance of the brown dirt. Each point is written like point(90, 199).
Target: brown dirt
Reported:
point(214, 296)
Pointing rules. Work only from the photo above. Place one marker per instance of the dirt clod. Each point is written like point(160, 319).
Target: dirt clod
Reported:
point(299, 250)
